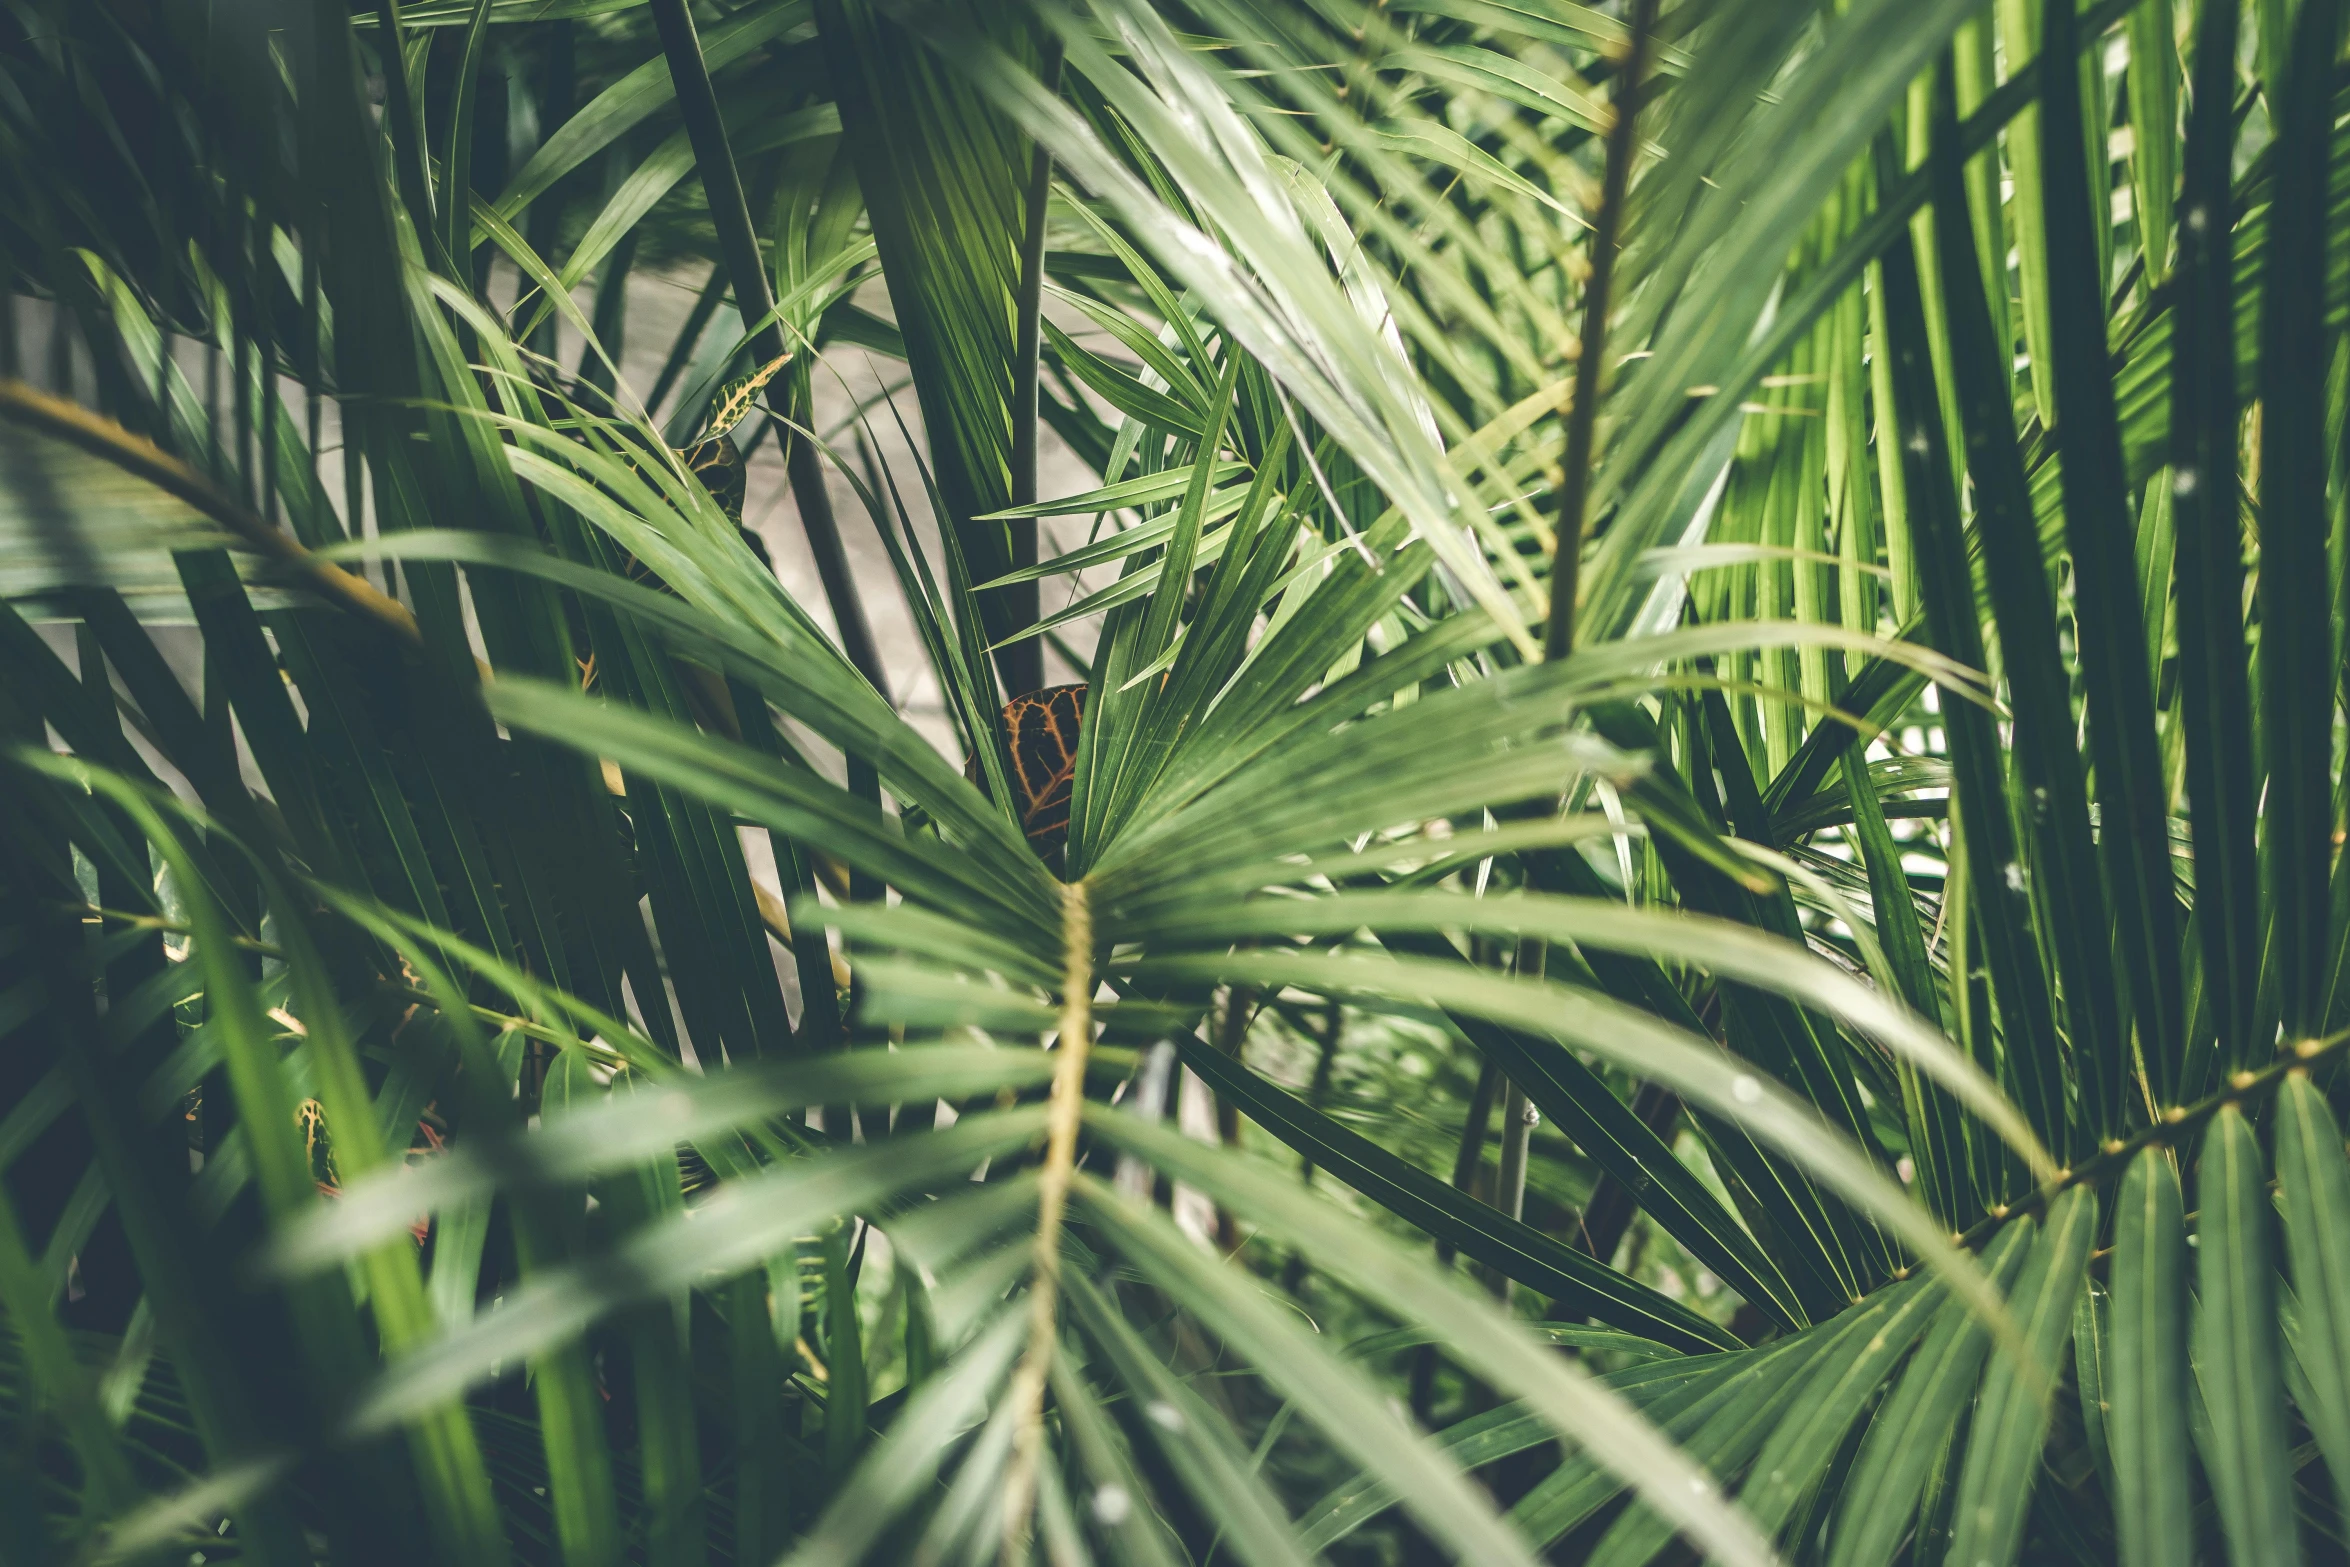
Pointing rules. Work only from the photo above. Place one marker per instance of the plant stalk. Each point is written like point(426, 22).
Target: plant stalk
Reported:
point(754, 297)
point(1518, 1116)
point(1566, 566)
point(1063, 1115)
point(730, 212)
point(1023, 662)
point(1240, 1004)
point(1623, 143)
point(1607, 1214)
point(2172, 1131)
point(1471, 1152)
point(814, 500)
point(1465, 1162)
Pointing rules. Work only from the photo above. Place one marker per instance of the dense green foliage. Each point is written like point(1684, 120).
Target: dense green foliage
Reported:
point(1811, 1034)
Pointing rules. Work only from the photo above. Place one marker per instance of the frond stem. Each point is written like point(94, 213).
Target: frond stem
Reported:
point(2172, 1130)
point(1064, 1113)
point(1623, 143)
point(1024, 662)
